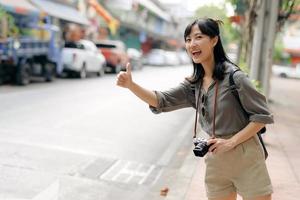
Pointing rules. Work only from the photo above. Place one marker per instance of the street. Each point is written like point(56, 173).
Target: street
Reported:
point(66, 134)
point(87, 139)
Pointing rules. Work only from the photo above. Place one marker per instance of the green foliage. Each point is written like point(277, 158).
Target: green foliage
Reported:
point(211, 11)
point(279, 56)
point(228, 32)
point(240, 6)
point(12, 29)
point(26, 32)
point(256, 83)
point(244, 67)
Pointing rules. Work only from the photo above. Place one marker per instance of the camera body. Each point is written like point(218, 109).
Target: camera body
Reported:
point(201, 147)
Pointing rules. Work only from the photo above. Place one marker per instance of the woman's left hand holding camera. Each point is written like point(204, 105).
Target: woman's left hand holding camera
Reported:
point(219, 145)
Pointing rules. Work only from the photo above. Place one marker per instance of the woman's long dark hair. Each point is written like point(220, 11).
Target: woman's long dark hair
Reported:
point(210, 28)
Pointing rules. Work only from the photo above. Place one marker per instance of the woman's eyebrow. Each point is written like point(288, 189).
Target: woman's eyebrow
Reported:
point(198, 33)
point(194, 34)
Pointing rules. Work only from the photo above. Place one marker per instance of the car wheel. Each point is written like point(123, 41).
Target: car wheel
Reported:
point(101, 71)
point(49, 72)
point(283, 75)
point(83, 73)
point(23, 74)
point(117, 69)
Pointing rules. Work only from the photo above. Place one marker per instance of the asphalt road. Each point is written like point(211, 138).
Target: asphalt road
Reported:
point(87, 139)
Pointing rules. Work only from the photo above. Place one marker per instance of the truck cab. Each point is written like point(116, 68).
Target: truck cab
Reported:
point(30, 51)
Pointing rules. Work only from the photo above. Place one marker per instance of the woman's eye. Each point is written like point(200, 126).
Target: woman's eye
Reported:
point(198, 37)
point(187, 40)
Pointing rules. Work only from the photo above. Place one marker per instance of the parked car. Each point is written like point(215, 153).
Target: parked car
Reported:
point(286, 71)
point(135, 58)
point(172, 58)
point(81, 58)
point(155, 57)
point(160, 57)
point(184, 58)
point(115, 54)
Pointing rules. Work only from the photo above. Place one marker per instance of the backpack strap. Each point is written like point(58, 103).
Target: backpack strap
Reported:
point(235, 93)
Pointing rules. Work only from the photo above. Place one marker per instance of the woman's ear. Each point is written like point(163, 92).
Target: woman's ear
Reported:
point(215, 40)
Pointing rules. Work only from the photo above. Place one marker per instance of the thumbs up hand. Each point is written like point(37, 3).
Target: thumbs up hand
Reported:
point(124, 79)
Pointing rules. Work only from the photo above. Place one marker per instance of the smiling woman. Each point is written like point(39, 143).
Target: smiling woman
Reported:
point(199, 46)
point(232, 140)
point(203, 44)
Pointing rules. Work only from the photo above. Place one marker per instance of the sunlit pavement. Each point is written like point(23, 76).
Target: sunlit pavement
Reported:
point(68, 157)
point(87, 139)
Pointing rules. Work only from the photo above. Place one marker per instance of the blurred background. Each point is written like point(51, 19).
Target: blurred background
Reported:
point(42, 38)
point(69, 133)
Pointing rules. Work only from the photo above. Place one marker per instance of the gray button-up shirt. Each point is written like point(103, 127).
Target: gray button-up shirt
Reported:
point(230, 117)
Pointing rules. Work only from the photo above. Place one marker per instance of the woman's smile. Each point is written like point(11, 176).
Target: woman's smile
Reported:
point(196, 53)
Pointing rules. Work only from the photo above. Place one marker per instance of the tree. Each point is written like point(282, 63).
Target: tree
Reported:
point(248, 12)
point(228, 32)
point(7, 25)
point(261, 22)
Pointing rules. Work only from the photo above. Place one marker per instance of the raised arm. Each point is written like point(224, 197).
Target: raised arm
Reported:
point(124, 79)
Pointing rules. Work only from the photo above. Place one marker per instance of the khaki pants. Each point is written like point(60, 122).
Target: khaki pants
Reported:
point(242, 170)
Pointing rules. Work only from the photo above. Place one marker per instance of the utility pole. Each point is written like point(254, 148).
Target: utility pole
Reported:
point(273, 7)
point(258, 42)
point(263, 43)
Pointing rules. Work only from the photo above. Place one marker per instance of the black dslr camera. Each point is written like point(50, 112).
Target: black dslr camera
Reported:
point(201, 147)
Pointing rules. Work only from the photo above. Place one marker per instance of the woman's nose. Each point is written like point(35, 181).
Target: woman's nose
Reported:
point(193, 43)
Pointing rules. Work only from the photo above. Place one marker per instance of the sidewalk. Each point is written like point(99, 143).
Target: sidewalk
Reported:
point(282, 140)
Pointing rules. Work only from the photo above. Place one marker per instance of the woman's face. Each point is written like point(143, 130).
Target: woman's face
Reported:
point(199, 46)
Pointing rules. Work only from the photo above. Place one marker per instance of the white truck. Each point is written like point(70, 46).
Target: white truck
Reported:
point(82, 57)
point(286, 71)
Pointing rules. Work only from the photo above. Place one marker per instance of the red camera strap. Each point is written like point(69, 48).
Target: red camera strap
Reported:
point(214, 111)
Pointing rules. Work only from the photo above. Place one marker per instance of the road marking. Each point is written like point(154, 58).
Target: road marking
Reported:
point(50, 193)
point(110, 170)
point(147, 174)
point(132, 172)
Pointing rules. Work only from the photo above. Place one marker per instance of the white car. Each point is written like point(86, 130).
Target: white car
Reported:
point(135, 58)
point(286, 71)
point(155, 57)
point(81, 58)
point(172, 58)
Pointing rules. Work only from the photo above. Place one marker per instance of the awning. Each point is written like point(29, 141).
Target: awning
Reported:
point(113, 24)
point(61, 11)
point(155, 9)
point(19, 6)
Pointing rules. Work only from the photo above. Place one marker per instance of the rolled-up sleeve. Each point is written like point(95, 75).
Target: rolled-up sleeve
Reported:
point(253, 101)
point(182, 96)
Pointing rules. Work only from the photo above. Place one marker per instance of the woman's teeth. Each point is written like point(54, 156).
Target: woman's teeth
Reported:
point(197, 53)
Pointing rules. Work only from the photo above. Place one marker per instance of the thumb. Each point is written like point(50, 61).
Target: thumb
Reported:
point(128, 68)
